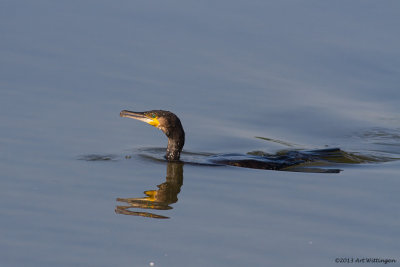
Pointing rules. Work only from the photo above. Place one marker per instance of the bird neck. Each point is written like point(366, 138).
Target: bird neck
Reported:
point(176, 140)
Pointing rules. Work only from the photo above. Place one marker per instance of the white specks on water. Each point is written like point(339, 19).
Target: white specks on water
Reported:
point(152, 263)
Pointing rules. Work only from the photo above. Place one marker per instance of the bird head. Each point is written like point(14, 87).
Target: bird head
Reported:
point(167, 122)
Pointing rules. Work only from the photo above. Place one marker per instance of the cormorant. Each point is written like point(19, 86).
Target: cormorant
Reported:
point(167, 122)
point(170, 124)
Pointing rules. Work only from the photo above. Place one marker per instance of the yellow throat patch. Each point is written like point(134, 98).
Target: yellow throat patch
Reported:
point(154, 122)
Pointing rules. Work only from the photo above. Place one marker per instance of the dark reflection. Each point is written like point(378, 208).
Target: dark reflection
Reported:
point(160, 199)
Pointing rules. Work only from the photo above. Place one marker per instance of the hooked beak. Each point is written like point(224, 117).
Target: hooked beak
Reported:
point(139, 116)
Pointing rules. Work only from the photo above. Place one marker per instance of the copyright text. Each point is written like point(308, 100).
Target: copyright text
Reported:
point(365, 260)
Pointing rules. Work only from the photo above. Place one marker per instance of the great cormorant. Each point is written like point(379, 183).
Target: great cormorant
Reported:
point(167, 122)
point(170, 124)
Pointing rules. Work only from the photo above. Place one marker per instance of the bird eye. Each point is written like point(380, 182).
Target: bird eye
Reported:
point(153, 115)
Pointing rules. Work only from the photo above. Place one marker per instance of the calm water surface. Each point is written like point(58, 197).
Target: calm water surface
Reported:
point(304, 75)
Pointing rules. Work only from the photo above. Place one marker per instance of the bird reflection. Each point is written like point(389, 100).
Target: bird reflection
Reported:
point(160, 199)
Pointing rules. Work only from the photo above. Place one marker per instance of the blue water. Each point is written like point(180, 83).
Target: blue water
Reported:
point(308, 74)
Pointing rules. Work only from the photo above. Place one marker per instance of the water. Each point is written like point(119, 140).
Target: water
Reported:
point(310, 74)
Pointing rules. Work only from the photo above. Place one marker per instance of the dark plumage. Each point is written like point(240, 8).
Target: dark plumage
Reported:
point(167, 122)
point(170, 124)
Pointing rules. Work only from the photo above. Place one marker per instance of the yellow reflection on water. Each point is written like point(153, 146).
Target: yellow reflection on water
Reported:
point(159, 199)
